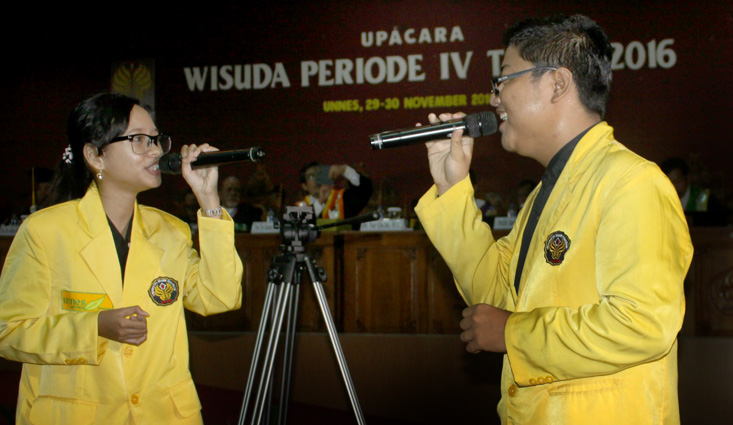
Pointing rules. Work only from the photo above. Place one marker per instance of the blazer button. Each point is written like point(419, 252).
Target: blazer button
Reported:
point(512, 390)
point(532, 381)
point(541, 380)
point(134, 399)
point(549, 379)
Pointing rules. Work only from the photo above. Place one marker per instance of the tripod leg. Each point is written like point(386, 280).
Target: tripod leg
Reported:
point(289, 347)
point(266, 309)
point(269, 360)
point(332, 333)
point(281, 272)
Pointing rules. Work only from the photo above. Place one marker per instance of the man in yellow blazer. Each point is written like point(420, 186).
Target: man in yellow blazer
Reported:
point(72, 375)
point(585, 294)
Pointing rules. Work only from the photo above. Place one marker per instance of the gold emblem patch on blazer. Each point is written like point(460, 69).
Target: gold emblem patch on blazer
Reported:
point(556, 246)
point(164, 291)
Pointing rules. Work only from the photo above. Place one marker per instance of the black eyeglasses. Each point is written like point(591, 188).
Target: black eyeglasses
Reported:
point(141, 143)
point(495, 81)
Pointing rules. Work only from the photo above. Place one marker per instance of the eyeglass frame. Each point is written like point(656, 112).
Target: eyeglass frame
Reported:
point(496, 81)
point(152, 139)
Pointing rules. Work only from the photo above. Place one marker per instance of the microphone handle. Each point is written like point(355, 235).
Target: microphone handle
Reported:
point(223, 157)
point(412, 135)
point(473, 125)
point(170, 163)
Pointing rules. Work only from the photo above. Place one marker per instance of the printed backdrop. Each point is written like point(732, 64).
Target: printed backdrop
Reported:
point(312, 82)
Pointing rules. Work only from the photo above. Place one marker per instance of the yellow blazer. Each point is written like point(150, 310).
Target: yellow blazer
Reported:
point(62, 269)
point(600, 303)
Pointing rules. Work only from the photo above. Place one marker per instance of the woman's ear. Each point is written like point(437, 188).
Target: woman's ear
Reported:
point(93, 158)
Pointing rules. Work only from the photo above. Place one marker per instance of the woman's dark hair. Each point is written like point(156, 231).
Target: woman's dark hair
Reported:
point(96, 120)
point(574, 42)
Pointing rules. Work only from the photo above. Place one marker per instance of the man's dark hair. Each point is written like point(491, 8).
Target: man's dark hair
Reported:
point(574, 42)
point(303, 169)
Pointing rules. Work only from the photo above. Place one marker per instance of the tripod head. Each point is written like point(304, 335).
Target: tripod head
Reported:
point(298, 227)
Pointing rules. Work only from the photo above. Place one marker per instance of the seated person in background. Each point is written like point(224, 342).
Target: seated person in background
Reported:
point(326, 199)
point(494, 207)
point(41, 187)
point(188, 210)
point(230, 193)
point(490, 205)
point(480, 202)
point(262, 193)
point(701, 208)
point(524, 188)
point(29, 202)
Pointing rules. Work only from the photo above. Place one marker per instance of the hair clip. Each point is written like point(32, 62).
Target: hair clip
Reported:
point(68, 155)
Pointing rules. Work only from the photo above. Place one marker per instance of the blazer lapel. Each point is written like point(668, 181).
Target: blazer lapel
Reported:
point(562, 194)
point(100, 254)
point(143, 261)
point(556, 204)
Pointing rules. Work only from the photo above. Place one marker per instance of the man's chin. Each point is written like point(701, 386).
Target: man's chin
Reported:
point(506, 145)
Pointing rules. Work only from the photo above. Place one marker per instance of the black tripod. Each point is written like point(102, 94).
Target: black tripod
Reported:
point(283, 289)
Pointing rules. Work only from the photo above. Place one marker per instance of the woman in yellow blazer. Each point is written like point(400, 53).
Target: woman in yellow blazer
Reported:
point(93, 290)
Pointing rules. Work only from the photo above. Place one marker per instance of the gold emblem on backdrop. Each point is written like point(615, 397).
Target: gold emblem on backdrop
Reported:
point(135, 78)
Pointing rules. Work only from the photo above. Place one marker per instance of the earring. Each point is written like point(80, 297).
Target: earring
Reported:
point(99, 175)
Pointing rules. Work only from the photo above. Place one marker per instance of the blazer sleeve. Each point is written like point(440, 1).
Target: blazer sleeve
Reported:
point(480, 264)
point(28, 333)
point(214, 276)
point(642, 254)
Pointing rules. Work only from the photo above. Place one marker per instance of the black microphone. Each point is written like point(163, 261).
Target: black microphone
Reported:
point(170, 163)
point(475, 125)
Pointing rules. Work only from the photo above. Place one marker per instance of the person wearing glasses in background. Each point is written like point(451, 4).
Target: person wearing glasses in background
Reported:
point(585, 294)
point(93, 290)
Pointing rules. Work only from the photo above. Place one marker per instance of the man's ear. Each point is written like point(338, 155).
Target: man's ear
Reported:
point(93, 157)
point(563, 81)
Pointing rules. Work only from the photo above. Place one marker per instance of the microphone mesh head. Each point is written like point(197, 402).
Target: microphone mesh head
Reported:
point(481, 124)
point(170, 163)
